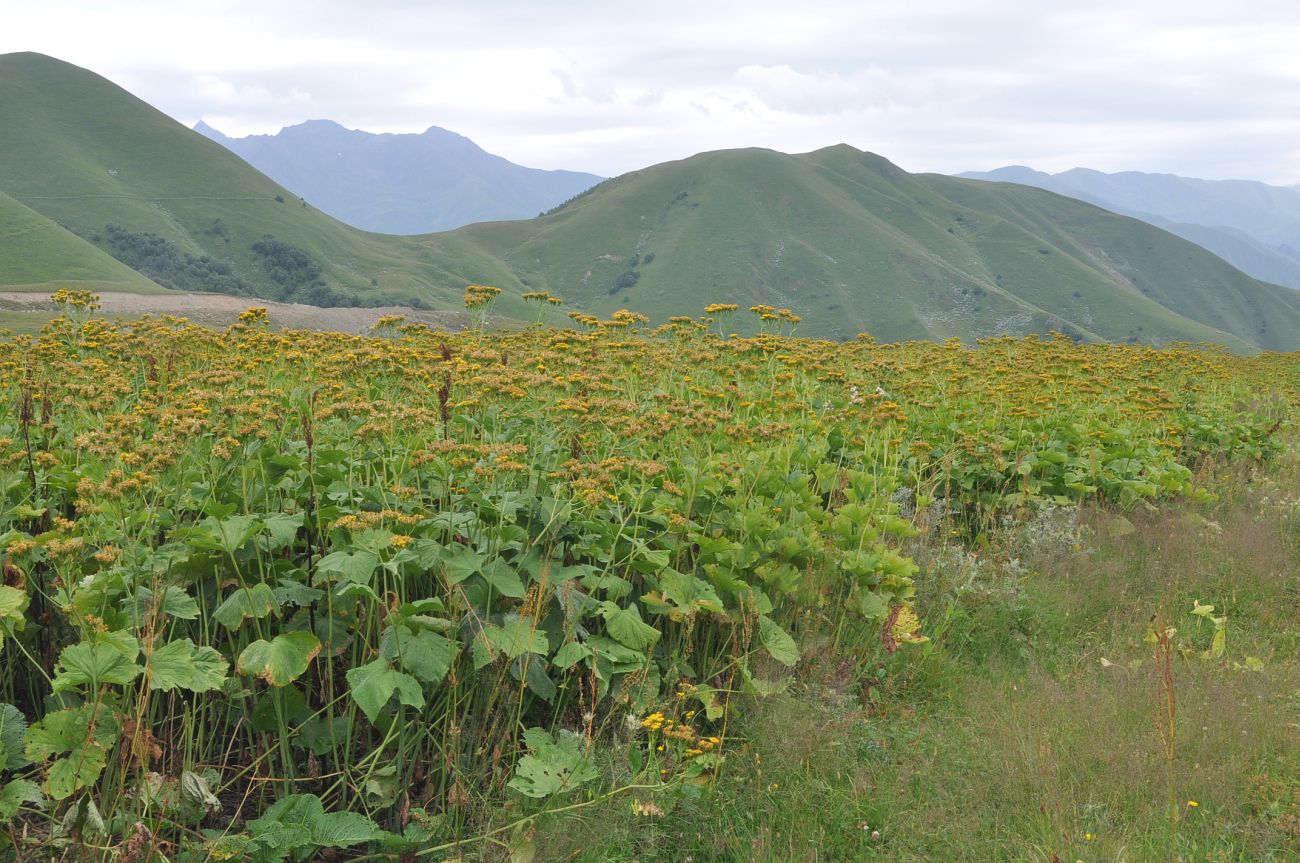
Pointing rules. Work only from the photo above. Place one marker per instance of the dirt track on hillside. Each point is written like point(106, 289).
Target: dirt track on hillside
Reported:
point(219, 311)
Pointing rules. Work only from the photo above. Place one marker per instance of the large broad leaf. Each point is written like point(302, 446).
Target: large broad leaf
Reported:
point(551, 766)
point(281, 660)
point(174, 602)
point(182, 665)
point(373, 684)
point(427, 655)
point(13, 602)
point(504, 578)
point(15, 794)
point(228, 534)
point(777, 642)
point(83, 735)
point(626, 626)
point(94, 665)
point(514, 638)
point(256, 601)
point(13, 725)
point(300, 821)
point(354, 566)
point(460, 562)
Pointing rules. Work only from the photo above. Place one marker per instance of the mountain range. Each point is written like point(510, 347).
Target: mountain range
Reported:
point(401, 184)
point(101, 190)
point(1252, 225)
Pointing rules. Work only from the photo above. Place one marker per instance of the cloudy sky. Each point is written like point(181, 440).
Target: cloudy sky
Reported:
point(1206, 89)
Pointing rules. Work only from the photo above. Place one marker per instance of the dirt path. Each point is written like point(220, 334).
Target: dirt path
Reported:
point(221, 310)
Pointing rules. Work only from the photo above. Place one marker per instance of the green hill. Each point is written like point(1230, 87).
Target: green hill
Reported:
point(37, 254)
point(852, 242)
point(844, 238)
point(87, 154)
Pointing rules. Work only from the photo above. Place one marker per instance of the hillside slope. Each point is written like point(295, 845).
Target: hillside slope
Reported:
point(852, 242)
point(87, 154)
point(38, 255)
point(1253, 226)
point(401, 184)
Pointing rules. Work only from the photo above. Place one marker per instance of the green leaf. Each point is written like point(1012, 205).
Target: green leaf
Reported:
point(626, 626)
point(283, 529)
point(281, 660)
point(777, 642)
point(460, 561)
point(257, 601)
point(551, 767)
point(504, 578)
point(373, 684)
point(228, 534)
point(13, 604)
point(354, 566)
point(427, 655)
point(84, 734)
point(517, 637)
point(571, 654)
point(182, 665)
point(15, 794)
point(13, 725)
point(290, 592)
point(93, 665)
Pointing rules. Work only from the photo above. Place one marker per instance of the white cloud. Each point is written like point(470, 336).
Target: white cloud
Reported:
point(1194, 87)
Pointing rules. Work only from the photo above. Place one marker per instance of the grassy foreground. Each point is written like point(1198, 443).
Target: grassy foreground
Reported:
point(621, 593)
point(1029, 728)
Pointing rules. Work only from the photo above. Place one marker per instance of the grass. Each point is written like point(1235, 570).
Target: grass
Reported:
point(844, 238)
point(1009, 738)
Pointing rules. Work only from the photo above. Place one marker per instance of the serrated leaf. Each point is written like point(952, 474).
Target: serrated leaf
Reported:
point(373, 684)
point(426, 655)
point(256, 601)
point(626, 626)
point(354, 566)
point(84, 734)
point(290, 592)
point(281, 660)
point(13, 725)
point(15, 794)
point(93, 665)
point(503, 577)
point(282, 529)
point(195, 789)
point(777, 642)
point(552, 767)
point(182, 665)
point(460, 562)
point(13, 604)
point(571, 654)
point(517, 637)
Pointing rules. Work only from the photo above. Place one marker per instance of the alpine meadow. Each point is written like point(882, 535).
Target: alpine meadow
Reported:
point(748, 506)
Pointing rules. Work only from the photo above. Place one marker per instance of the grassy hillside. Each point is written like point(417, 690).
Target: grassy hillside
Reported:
point(844, 238)
point(37, 254)
point(853, 243)
point(85, 153)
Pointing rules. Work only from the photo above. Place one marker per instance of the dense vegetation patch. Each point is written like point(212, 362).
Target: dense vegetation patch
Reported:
point(267, 593)
point(161, 260)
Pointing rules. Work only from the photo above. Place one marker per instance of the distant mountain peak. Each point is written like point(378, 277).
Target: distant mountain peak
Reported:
point(208, 132)
point(402, 183)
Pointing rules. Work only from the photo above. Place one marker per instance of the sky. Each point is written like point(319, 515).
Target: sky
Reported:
point(1179, 86)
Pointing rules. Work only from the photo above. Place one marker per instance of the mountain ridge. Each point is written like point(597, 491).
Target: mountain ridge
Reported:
point(845, 238)
point(401, 183)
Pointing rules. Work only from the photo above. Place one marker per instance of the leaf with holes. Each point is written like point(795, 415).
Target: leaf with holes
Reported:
point(552, 766)
point(281, 660)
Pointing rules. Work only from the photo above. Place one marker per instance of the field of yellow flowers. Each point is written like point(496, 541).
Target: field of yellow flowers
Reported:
point(266, 592)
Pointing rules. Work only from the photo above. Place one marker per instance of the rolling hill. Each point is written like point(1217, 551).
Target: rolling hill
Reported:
point(845, 238)
point(401, 184)
point(852, 242)
point(1253, 226)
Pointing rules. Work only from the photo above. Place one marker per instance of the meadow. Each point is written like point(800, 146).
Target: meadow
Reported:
point(623, 592)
